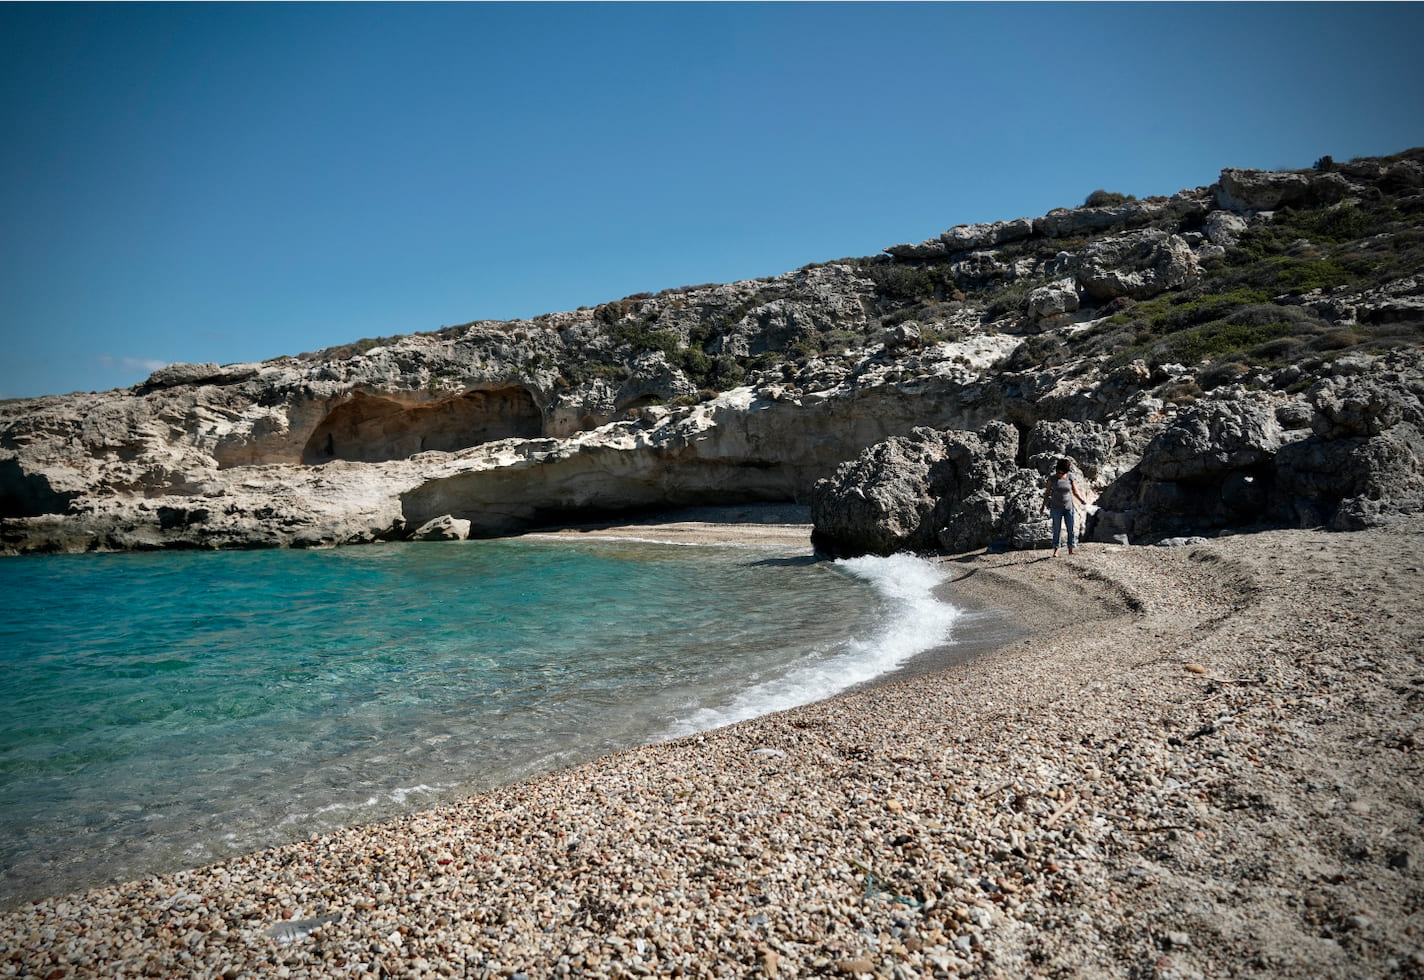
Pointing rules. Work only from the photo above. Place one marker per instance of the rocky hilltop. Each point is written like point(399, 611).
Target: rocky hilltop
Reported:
point(1244, 355)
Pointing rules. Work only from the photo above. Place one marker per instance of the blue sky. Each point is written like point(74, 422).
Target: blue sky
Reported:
point(225, 183)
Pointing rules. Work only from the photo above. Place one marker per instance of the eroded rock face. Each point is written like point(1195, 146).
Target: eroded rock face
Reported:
point(1138, 265)
point(1255, 190)
point(758, 390)
point(372, 428)
point(929, 491)
point(1366, 406)
point(1214, 439)
point(1089, 445)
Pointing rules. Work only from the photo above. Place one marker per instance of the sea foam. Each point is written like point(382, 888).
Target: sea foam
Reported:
point(913, 621)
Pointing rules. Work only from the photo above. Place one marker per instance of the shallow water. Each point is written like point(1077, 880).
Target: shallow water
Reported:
point(160, 711)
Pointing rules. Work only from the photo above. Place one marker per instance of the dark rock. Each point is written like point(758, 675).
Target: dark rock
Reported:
point(1213, 439)
point(1088, 444)
point(953, 491)
point(29, 494)
point(1363, 406)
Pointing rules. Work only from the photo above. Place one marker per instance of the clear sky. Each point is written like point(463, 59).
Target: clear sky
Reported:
point(233, 182)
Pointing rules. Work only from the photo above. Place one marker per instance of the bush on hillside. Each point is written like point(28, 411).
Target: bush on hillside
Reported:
point(1107, 199)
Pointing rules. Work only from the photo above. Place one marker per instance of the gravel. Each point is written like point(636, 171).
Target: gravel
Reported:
point(1200, 761)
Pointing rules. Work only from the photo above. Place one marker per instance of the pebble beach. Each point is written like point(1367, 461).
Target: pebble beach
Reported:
point(1200, 761)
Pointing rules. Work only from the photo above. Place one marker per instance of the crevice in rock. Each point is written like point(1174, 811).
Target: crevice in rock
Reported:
point(374, 428)
point(29, 494)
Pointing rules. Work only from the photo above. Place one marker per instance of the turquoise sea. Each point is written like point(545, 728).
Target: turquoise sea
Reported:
point(160, 711)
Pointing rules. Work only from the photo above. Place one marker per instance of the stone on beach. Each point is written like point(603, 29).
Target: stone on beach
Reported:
point(1082, 804)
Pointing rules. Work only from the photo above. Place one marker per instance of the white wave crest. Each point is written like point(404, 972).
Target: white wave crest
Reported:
point(915, 621)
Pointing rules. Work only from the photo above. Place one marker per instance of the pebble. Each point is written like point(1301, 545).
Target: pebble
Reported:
point(1027, 813)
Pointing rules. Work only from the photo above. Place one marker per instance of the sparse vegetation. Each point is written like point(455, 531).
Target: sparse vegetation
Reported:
point(1261, 307)
point(1107, 199)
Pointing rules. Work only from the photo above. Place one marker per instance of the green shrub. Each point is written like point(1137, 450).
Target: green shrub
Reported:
point(726, 372)
point(1304, 275)
point(641, 335)
point(696, 364)
point(1107, 199)
point(1282, 350)
point(1181, 392)
point(903, 283)
point(1040, 350)
point(1214, 341)
point(1222, 373)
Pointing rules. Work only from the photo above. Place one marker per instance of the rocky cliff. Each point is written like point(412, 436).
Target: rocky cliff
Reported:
point(1246, 354)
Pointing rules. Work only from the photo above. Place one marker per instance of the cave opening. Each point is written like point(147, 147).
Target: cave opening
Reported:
point(375, 428)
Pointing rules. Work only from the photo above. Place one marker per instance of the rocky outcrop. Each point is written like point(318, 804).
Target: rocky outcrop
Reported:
point(1138, 265)
point(1116, 336)
point(1231, 464)
point(1255, 190)
point(929, 491)
point(1053, 300)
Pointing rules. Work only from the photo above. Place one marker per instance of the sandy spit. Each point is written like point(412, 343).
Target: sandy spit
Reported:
point(1193, 762)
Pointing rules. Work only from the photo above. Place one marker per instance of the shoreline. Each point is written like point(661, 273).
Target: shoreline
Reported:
point(1192, 762)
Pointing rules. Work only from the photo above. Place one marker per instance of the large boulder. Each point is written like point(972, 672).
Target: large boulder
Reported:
point(930, 248)
point(1053, 300)
point(968, 238)
point(929, 491)
point(1224, 228)
point(1088, 444)
point(1138, 265)
point(1213, 439)
point(443, 528)
point(1352, 482)
point(1210, 469)
point(175, 375)
point(1072, 222)
point(1257, 190)
point(1364, 465)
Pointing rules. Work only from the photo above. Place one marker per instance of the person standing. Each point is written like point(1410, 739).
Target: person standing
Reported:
point(1058, 499)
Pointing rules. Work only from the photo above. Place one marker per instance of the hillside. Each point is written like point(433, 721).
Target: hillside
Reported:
point(1236, 356)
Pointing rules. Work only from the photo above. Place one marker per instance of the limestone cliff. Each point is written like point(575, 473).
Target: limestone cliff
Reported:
point(1096, 331)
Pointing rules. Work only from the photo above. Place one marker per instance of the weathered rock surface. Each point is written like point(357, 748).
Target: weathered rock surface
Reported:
point(1255, 190)
point(929, 491)
point(1232, 464)
point(757, 390)
point(1139, 265)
